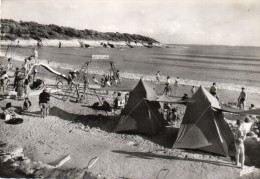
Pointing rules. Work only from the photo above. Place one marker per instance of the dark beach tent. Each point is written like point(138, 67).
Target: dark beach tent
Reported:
point(142, 112)
point(203, 126)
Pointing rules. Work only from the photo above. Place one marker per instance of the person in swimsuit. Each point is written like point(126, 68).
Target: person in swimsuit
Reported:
point(242, 99)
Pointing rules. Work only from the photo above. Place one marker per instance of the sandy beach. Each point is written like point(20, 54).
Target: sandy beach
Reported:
point(83, 133)
point(75, 129)
point(109, 89)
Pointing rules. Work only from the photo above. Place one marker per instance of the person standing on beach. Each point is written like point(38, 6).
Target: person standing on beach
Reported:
point(86, 83)
point(242, 99)
point(239, 144)
point(177, 81)
point(167, 88)
point(193, 89)
point(240, 136)
point(27, 104)
point(158, 77)
point(213, 90)
point(10, 64)
point(20, 89)
point(35, 55)
point(44, 103)
point(26, 88)
point(3, 81)
point(16, 77)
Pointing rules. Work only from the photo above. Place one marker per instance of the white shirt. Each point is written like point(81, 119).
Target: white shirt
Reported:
point(35, 53)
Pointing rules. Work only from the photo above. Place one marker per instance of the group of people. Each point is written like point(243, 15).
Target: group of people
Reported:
point(170, 113)
point(119, 103)
point(213, 90)
point(241, 101)
point(167, 88)
point(11, 113)
point(107, 80)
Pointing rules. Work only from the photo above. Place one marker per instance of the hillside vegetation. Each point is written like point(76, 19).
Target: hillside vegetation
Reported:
point(11, 30)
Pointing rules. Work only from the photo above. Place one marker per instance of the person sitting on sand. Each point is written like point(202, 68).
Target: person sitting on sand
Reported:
point(102, 82)
point(166, 111)
point(9, 112)
point(193, 89)
point(105, 105)
point(119, 101)
point(213, 90)
point(126, 97)
point(252, 106)
point(185, 98)
point(44, 103)
point(158, 77)
point(175, 116)
point(1, 66)
point(242, 99)
point(107, 81)
point(27, 104)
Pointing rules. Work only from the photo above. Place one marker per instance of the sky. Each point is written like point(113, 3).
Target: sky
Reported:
point(213, 22)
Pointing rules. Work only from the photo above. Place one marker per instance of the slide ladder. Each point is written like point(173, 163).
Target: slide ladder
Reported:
point(74, 86)
point(113, 68)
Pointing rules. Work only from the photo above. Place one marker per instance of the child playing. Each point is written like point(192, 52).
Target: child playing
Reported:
point(27, 104)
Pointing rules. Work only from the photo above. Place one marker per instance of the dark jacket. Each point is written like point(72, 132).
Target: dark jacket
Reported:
point(26, 105)
point(44, 97)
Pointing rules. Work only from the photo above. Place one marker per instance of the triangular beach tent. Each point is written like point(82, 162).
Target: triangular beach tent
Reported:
point(203, 126)
point(142, 113)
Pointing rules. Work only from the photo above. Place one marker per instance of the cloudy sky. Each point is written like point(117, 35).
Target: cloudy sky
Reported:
point(221, 22)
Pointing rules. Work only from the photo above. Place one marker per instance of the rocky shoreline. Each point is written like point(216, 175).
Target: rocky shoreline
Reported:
point(83, 43)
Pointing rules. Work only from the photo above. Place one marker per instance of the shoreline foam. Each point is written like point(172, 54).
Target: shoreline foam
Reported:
point(151, 77)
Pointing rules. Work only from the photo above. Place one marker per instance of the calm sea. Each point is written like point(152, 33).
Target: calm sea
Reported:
point(239, 65)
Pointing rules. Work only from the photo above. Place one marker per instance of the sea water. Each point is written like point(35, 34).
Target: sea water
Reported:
point(230, 67)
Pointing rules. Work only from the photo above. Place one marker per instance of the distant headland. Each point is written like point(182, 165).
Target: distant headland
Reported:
point(33, 33)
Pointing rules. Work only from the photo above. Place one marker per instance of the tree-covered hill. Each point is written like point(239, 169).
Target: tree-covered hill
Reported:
point(11, 30)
